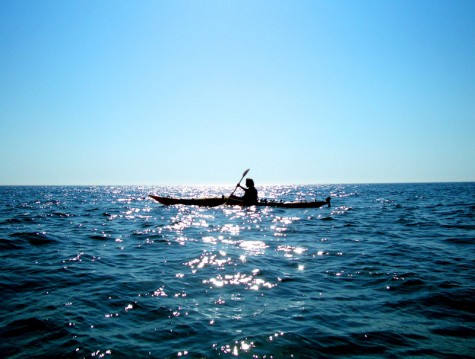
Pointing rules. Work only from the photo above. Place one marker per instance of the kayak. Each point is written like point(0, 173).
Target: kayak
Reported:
point(218, 201)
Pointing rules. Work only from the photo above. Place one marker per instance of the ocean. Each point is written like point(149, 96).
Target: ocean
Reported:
point(105, 272)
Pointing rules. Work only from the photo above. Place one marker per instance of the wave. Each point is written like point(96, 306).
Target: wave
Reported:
point(35, 238)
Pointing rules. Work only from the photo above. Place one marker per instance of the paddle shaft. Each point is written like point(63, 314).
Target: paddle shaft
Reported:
point(243, 175)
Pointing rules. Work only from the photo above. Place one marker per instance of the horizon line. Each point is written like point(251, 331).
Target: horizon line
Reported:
point(229, 185)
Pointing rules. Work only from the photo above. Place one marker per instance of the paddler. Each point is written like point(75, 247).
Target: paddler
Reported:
point(250, 193)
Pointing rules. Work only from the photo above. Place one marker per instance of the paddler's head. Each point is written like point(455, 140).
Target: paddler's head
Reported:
point(249, 182)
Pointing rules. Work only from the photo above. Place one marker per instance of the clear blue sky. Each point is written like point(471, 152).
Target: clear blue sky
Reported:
point(195, 92)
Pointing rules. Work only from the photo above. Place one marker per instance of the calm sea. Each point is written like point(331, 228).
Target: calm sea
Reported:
point(387, 271)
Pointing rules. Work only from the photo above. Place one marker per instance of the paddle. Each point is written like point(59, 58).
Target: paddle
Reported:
point(243, 175)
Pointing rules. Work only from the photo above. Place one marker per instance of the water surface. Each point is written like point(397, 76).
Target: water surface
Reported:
point(387, 271)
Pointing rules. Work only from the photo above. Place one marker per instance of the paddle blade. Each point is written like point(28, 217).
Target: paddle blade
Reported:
point(245, 172)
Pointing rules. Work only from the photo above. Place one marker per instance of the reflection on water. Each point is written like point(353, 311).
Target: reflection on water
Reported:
point(249, 281)
point(255, 247)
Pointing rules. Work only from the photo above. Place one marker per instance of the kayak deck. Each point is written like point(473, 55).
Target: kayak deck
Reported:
point(218, 201)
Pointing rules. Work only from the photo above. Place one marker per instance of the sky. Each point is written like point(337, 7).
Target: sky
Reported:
point(187, 92)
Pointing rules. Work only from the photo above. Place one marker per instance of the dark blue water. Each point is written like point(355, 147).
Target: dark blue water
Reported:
point(387, 271)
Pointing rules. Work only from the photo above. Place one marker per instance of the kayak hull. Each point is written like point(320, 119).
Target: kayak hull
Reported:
point(203, 202)
point(218, 201)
